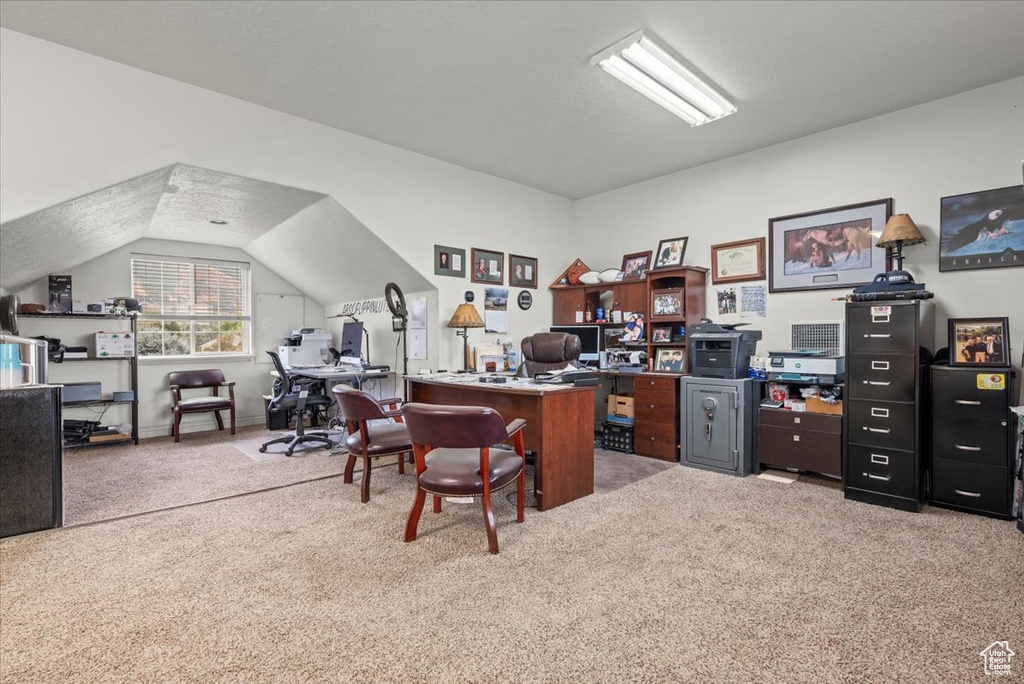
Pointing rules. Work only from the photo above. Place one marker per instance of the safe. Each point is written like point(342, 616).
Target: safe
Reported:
point(717, 424)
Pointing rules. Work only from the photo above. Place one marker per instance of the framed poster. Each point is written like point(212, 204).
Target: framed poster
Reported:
point(449, 261)
point(522, 271)
point(982, 230)
point(733, 262)
point(488, 267)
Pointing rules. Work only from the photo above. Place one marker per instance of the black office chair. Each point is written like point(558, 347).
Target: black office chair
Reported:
point(289, 397)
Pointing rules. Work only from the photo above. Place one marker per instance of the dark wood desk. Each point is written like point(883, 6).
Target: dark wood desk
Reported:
point(559, 429)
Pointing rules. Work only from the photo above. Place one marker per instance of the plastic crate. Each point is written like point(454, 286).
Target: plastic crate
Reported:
point(617, 437)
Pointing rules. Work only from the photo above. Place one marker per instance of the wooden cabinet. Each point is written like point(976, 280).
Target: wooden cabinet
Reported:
point(692, 282)
point(801, 440)
point(566, 302)
point(656, 416)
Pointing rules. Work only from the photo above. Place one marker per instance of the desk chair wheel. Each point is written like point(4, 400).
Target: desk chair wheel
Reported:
point(263, 449)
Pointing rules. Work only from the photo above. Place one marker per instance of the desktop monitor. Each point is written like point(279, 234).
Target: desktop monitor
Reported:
point(352, 339)
point(590, 339)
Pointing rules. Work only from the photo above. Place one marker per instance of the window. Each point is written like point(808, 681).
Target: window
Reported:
point(191, 307)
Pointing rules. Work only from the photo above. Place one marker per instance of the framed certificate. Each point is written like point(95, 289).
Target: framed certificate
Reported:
point(732, 262)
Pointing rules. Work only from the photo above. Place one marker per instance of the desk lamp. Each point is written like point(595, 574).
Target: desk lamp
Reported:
point(900, 230)
point(466, 316)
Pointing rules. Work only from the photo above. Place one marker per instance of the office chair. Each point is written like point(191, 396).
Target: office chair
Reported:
point(290, 397)
point(367, 437)
point(211, 379)
point(548, 351)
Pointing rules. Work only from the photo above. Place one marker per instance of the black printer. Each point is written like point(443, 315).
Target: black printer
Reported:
point(721, 351)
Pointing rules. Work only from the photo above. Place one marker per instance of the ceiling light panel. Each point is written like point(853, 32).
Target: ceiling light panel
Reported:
point(644, 66)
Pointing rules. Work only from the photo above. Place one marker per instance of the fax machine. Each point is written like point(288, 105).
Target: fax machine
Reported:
point(806, 365)
point(305, 347)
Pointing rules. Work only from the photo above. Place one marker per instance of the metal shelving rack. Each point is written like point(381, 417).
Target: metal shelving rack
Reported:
point(133, 366)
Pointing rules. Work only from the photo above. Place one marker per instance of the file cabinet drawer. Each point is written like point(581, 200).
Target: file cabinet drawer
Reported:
point(655, 407)
point(970, 392)
point(882, 423)
point(800, 420)
point(886, 328)
point(656, 440)
point(884, 471)
point(971, 485)
point(881, 376)
point(654, 383)
point(970, 439)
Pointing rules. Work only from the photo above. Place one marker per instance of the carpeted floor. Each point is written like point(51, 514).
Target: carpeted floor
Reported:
point(683, 576)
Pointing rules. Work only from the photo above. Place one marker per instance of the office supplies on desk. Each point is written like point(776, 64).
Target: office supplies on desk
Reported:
point(305, 346)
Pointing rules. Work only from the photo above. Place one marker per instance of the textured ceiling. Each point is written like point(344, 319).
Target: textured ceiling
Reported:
point(506, 87)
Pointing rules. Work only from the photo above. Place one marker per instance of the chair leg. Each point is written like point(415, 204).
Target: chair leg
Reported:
point(232, 418)
point(521, 494)
point(401, 464)
point(176, 430)
point(350, 467)
point(437, 504)
point(414, 515)
point(492, 532)
point(364, 489)
point(220, 421)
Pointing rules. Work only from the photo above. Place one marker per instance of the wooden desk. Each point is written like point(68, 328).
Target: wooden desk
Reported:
point(559, 428)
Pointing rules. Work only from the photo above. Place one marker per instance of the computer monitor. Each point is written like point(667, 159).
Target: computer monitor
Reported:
point(352, 339)
point(590, 339)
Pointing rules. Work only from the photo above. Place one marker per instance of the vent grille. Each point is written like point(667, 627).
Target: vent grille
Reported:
point(827, 335)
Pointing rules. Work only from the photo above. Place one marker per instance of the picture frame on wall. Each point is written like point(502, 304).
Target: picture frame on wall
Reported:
point(522, 271)
point(670, 253)
point(636, 265)
point(982, 230)
point(979, 341)
point(488, 267)
point(734, 262)
point(827, 249)
point(449, 261)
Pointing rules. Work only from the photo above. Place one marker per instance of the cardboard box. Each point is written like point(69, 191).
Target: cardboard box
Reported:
point(816, 405)
point(620, 409)
point(115, 344)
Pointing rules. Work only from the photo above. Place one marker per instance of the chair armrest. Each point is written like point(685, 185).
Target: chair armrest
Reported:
point(227, 384)
point(394, 414)
point(391, 401)
point(515, 426)
point(175, 394)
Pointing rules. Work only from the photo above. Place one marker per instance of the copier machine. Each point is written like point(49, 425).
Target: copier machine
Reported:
point(305, 347)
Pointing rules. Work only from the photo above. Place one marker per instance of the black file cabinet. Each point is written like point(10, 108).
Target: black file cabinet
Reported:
point(972, 439)
point(884, 427)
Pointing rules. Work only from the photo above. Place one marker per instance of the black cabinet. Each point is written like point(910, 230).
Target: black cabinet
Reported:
point(31, 481)
point(885, 433)
point(972, 430)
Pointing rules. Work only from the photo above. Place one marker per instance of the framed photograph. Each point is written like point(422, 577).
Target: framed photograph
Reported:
point(661, 333)
point(667, 304)
point(633, 330)
point(670, 253)
point(827, 249)
point(488, 267)
point(669, 361)
point(982, 230)
point(634, 266)
point(613, 337)
point(979, 341)
point(522, 271)
point(734, 262)
point(449, 261)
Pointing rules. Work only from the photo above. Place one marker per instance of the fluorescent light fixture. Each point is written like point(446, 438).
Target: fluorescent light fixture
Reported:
point(644, 66)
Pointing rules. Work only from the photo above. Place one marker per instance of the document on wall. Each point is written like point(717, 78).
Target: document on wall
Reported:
point(417, 313)
point(417, 343)
point(753, 301)
point(496, 309)
point(496, 321)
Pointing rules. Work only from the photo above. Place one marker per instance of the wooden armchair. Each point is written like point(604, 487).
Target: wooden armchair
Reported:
point(371, 440)
point(210, 379)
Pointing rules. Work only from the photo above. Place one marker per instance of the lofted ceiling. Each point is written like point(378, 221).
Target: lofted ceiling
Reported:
point(506, 88)
point(266, 220)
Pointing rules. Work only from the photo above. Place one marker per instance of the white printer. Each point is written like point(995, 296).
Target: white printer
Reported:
point(806, 365)
point(306, 347)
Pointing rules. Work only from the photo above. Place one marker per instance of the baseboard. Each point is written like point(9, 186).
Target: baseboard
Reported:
point(165, 430)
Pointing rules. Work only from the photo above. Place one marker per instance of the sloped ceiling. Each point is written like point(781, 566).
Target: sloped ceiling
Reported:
point(273, 223)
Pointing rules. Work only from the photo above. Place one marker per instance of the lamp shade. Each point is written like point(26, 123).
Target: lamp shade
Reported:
point(466, 316)
point(900, 229)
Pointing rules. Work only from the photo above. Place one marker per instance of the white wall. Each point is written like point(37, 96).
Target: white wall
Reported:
point(110, 276)
point(961, 144)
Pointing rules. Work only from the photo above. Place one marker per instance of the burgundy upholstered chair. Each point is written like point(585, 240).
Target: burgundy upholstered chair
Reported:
point(368, 440)
point(452, 446)
point(547, 351)
point(210, 379)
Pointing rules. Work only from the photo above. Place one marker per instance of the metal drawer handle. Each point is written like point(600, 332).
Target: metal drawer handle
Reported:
point(796, 438)
point(879, 412)
point(879, 365)
point(878, 335)
point(880, 459)
point(967, 402)
point(884, 431)
point(976, 495)
point(964, 447)
point(884, 478)
point(877, 382)
point(652, 406)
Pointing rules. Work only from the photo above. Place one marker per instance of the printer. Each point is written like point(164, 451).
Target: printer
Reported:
point(305, 347)
point(806, 365)
point(721, 351)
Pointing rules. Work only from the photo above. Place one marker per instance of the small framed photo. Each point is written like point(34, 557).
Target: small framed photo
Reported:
point(635, 266)
point(634, 328)
point(522, 271)
point(669, 361)
point(734, 262)
point(613, 337)
point(670, 253)
point(488, 267)
point(979, 341)
point(449, 261)
point(667, 304)
point(661, 333)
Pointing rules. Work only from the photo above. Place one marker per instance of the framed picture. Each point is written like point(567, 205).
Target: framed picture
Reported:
point(661, 333)
point(488, 267)
point(827, 249)
point(979, 341)
point(634, 266)
point(633, 330)
point(669, 361)
point(666, 304)
point(613, 337)
point(670, 253)
point(522, 271)
point(449, 261)
point(982, 230)
point(733, 262)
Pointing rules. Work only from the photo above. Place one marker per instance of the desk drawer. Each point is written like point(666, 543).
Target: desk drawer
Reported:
point(956, 391)
point(885, 328)
point(970, 439)
point(882, 423)
point(655, 383)
point(655, 407)
point(656, 440)
point(892, 377)
point(980, 487)
point(820, 452)
point(800, 420)
point(885, 471)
